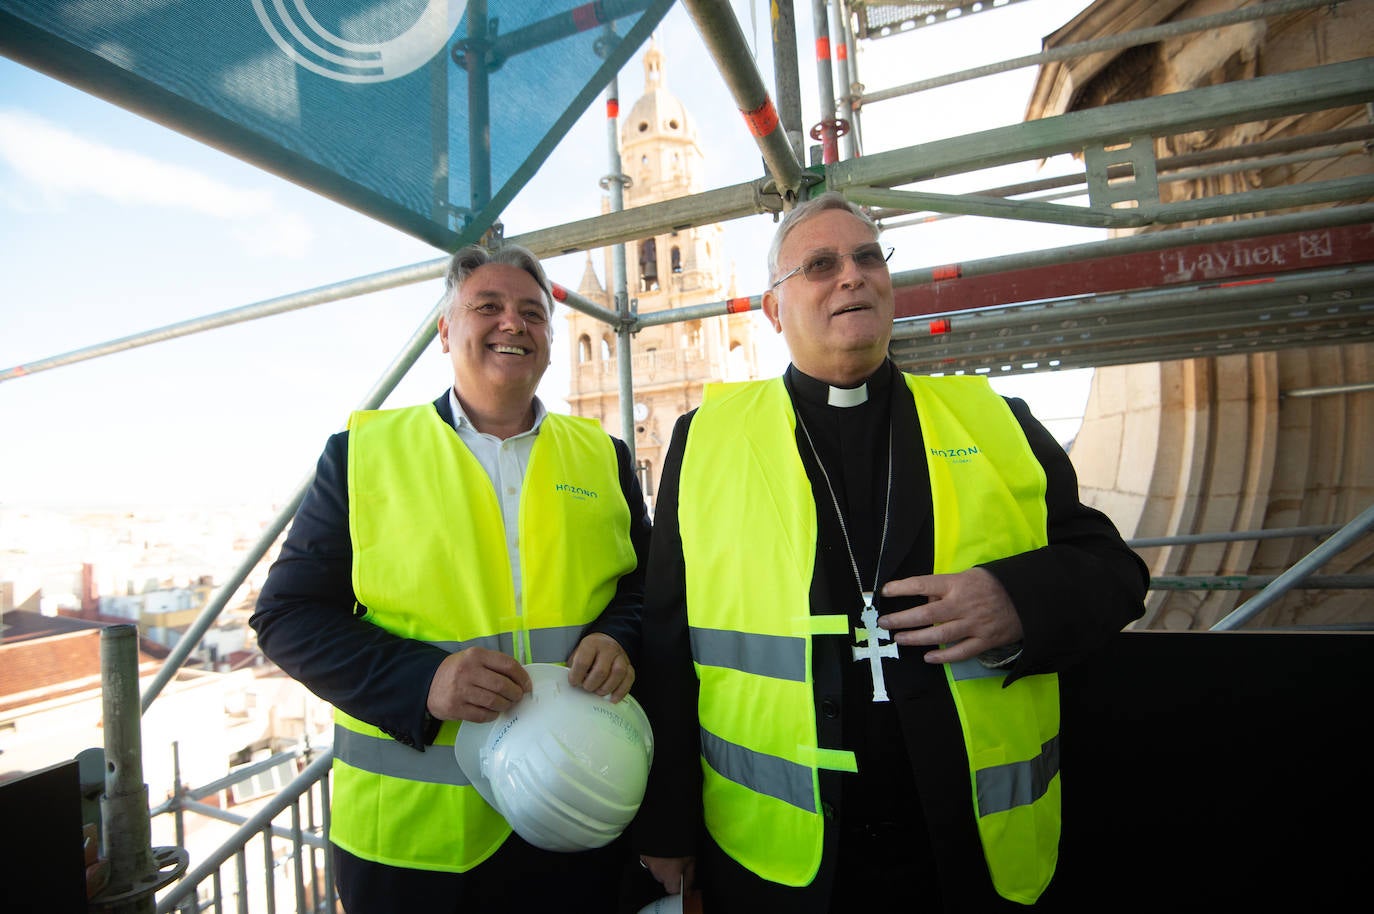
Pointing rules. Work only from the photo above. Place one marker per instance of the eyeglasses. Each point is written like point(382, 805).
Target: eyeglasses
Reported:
point(825, 264)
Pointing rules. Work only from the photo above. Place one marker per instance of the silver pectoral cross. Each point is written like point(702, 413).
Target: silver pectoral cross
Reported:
point(874, 652)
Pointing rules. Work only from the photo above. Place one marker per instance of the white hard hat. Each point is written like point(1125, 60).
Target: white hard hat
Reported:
point(566, 768)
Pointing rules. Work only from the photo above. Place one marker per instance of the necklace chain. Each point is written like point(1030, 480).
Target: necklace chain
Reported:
point(844, 530)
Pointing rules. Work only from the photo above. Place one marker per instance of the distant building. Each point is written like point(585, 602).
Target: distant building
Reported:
point(162, 614)
point(661, 160)
point(223, 708)
point(51, 706)
point(44, 657)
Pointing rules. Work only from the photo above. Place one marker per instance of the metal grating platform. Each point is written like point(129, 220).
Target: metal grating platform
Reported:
point(882, 20)
point(1303, 309)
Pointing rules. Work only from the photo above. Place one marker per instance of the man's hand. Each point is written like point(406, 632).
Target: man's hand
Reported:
point(675, 874)
point(476, 685)
point(970, 612)
point(601, 666)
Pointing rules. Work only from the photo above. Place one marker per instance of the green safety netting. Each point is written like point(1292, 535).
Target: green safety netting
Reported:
point(429, 115)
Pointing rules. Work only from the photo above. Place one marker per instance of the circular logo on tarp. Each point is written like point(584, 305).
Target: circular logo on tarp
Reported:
point(301, 37)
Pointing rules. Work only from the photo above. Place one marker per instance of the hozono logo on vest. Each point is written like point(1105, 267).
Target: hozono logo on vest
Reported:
point(575, 491)
point(956, 454)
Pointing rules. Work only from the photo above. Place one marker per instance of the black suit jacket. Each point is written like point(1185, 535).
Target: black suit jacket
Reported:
point(309, 621)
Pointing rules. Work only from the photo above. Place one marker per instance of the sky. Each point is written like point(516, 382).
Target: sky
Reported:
point(113, 225)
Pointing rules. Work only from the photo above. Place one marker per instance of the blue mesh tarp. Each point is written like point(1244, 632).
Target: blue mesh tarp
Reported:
point(429, 115)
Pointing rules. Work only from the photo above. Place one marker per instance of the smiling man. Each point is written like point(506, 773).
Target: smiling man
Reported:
point(439, 549)
point(861, 587)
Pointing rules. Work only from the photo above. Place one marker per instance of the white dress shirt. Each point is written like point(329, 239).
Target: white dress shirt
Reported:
point(505, 462)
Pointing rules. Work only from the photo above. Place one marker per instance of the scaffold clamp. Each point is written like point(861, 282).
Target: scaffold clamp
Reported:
point(493, 237)
point(838, 125)
point(165, 867)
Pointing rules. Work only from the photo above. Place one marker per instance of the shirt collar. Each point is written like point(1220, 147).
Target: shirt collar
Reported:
point(822, 394)
point(461, 420)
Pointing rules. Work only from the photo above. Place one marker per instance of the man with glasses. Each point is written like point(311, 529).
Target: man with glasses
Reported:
point(440, 548)
point(860, 586)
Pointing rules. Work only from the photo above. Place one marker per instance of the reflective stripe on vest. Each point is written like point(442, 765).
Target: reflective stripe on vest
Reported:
point(546, 645)
point(773, 657)
point(382, 755)
point(430, 563)
point(767, 655)
point(745, 503)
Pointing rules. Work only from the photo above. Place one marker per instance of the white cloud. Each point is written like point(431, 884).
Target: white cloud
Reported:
point(55, 163)
point(277, 234)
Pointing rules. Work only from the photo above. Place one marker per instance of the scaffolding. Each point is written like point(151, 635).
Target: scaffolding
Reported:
point(1121, 178)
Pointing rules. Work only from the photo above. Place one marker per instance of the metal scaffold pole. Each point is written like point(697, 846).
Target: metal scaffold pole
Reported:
point(1129, 39)
point(720, 30)
point(827, 129)
point(846, 101)
point(479, 107)
point(785, 82)
point(615, 182)
point(137, 869)
point(1294, 576)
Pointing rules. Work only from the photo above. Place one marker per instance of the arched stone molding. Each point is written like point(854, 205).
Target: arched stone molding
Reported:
point(1213, 445)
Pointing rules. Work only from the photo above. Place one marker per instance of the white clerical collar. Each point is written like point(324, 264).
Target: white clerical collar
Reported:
point(848, 396)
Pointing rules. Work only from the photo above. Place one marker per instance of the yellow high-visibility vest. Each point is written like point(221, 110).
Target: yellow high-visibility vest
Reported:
point(430, 562)
point(748, 525)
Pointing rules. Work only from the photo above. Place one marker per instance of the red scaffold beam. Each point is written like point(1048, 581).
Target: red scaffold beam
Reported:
point(1210, 264)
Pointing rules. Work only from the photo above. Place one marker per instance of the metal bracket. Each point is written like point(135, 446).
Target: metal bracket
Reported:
point(623, 180)
point(490, 57)
point(839, 125)
point(603, 45)
point(167, 865)
point(493, 237)
point(771, 199)
point(1138, 190)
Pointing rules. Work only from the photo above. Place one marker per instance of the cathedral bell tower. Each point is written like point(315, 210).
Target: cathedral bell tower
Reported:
point(662, 160)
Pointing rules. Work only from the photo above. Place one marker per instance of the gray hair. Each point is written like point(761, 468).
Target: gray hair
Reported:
point(466, 261)
point(829, 200)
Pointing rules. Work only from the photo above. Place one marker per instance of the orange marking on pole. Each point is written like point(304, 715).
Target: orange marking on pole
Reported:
point(738, 305)
point(951, 271)
point(613, 108)
point(559, 293)
point(822, 48)
point(1244, 282)
point(586, 16)
point(940, 326)
point(763, 120)
point(842, 52)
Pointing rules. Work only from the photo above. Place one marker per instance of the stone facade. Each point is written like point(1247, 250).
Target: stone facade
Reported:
point(1243, 442)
